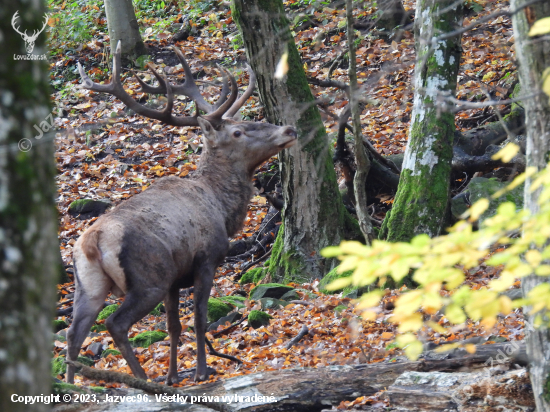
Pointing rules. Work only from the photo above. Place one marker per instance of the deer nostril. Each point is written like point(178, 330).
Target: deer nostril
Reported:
point(291, 132)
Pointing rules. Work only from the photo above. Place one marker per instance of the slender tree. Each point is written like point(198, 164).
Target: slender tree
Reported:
point(422, 199)
point(123, 26)
point(29, 250)
point(533, 54)
point(314, 216)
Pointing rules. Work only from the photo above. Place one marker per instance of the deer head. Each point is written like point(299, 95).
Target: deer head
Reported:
point(29, 40)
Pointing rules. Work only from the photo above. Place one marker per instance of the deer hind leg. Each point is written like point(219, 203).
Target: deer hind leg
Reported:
point(136, 305)
point(92, 287)
point(174, 328)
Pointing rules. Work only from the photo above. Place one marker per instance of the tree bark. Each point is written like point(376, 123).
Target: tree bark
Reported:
point(29, 253)
point(533, 55)
point(123, 26)
point(314, 215)
point(421, 203)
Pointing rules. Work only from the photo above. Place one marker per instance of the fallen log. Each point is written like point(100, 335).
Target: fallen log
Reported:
point(316, 389)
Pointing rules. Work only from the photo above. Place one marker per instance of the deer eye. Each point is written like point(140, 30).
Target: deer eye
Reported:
point(237, 133)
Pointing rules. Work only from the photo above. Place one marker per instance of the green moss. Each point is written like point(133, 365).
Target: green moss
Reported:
point(340, 308)
point(257, 319)
point(59, 324)
point(236, 301)
point(217, 309)
point(108, 352)
point(330, 277)
point(253, 275)
point(546, 389)
point(107, 311)
point(97, 389)
point(158, 310)
point(267, 262)
point(59, 367)
point(145, 339)
point(99, 328)
point(61, 388)
point(286, 266)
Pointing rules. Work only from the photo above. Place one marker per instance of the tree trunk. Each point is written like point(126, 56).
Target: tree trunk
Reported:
point(421, 203)
point(123, 26)
point(314, 215)
point(533, 55)
point(29, 253)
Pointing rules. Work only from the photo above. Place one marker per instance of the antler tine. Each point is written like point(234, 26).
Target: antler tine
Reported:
point(242, 100)
point(217, 115)
point(116, 89)
point(225, 89)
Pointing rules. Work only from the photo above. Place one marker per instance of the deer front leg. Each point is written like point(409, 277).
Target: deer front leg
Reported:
point(204, 277)
point(174, 329)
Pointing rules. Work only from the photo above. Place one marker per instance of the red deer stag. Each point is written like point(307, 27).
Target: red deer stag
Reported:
point(174, 234)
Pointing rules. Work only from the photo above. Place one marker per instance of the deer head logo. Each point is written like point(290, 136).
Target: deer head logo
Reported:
point(29, 40)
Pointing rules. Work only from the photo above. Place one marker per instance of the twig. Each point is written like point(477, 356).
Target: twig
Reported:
point(487, 18)
point(213, 351)
point(335, 63)
point(221, 332)
point(303, 332)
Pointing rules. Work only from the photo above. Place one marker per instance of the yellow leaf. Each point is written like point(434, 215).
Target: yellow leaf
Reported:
point(478, 208)
point(540, 27)
point(455, 314)
point(331, 251)
point(505, 304)
point(352, 247)
point(507, 153)
point(414, 350)
point(436, 327)
point(340, 283)
point(282, 67)
point(448, 347)
point(546, 81)
point(411, 323)
point(470, 348)
point(543, 270)
point(370, 300)
point(533, 257)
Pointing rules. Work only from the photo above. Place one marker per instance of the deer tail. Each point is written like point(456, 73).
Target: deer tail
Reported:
point(90, 244)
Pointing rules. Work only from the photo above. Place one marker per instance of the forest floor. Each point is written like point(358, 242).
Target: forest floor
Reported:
point(105, 153)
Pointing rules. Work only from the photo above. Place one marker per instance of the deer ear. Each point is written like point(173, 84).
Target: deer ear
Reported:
point(208, 131)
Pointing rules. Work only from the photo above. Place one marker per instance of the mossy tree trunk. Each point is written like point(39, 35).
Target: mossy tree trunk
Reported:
point(29, 252)
point(422, 199)
point(123, 26)
point(533, 55)
point(314, 216)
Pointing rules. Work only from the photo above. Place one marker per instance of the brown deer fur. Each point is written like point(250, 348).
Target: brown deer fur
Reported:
point(171, 236)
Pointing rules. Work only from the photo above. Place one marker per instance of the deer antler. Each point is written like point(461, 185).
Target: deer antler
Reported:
point(189, 89)
point(13, 22)
point(37, 32)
